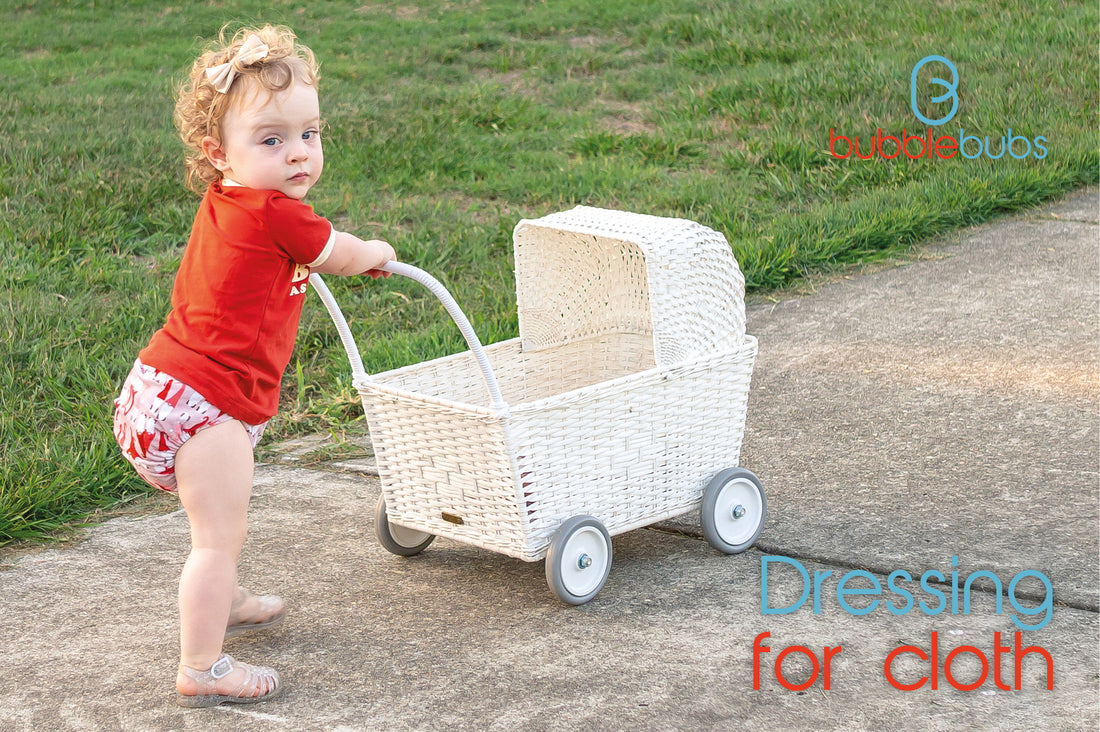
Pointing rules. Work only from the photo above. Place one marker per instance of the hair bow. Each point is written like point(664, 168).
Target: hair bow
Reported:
point(251, 51)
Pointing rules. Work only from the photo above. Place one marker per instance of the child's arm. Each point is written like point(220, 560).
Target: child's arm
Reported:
point(352, 256)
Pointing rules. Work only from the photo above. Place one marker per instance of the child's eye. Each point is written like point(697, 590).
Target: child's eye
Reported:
point(271, 141)
point(311, 135)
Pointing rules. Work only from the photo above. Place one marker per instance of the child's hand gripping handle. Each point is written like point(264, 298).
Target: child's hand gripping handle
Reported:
point(449, 303)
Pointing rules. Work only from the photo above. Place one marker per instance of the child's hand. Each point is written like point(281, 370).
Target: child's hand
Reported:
point(384, 250)
point(354, 256)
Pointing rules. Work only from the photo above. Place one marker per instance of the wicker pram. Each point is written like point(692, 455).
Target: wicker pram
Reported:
point(622, 403)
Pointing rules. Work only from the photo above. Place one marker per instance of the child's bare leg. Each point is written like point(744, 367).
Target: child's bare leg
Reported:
point(214, 479)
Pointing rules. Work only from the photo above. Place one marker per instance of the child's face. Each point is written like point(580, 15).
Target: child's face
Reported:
point(272, 142)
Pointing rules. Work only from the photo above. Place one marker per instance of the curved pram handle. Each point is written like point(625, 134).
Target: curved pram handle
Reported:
point(449, 303)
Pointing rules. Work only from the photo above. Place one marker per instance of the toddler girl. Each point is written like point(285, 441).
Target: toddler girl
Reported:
point(199, 395)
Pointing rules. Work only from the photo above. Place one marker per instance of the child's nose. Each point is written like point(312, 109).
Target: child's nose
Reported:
point(298, 152)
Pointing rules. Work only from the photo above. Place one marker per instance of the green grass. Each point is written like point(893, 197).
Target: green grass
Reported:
point(447, 123)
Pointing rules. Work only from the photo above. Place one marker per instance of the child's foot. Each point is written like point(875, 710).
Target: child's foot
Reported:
point(227, 681)
point(250, 612)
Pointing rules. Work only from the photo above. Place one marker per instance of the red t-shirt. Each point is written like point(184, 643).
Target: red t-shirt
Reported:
point(238, 297)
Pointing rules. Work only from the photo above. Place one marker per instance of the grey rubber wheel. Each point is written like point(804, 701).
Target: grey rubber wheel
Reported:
point(733, 511)
point(578, 560)
point(397, 539)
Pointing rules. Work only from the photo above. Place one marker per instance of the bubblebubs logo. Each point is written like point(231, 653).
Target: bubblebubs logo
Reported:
point(952, 90)
point(930, 145)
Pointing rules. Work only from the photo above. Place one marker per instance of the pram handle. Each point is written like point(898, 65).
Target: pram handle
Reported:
point(449, 303)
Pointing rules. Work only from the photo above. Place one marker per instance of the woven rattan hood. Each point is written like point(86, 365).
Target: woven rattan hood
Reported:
point(591, 271)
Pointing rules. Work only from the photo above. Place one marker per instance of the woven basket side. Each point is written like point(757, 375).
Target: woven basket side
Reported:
point(445, 470)
point(526, 376)
point(632, 452)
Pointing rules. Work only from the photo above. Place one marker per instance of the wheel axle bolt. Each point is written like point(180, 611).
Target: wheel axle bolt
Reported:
point(738, 511)
point(584, 561)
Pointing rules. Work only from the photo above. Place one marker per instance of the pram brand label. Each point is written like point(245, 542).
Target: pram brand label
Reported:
point(908, 667)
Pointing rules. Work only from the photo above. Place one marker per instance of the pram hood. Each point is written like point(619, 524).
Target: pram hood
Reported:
point(591, 271)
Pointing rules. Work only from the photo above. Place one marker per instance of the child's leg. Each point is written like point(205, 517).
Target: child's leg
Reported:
point(214, 479)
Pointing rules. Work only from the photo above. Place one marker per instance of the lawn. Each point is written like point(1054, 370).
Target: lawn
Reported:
point(448, 122)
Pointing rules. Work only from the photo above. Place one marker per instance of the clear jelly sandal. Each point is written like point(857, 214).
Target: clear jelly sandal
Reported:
point(270, 607)
point(260, 684)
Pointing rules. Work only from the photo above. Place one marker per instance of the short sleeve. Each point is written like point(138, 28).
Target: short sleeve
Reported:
point(298, 231)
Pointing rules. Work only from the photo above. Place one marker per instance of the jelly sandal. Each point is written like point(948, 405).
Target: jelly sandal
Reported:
point(260, 684)
point(271, 607)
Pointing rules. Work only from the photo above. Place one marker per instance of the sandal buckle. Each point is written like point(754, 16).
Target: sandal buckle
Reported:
point(222, 667)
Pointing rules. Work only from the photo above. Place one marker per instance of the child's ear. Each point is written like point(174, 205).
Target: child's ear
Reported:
point(215, 153)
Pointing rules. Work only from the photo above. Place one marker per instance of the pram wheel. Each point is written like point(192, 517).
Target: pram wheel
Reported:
point(398, 539)
point(578, 560)
point(733, 510)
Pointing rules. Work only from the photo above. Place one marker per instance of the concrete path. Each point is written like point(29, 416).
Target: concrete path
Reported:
point(938, 416)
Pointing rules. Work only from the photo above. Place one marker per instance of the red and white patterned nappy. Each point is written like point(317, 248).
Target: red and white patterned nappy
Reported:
point(155, 414)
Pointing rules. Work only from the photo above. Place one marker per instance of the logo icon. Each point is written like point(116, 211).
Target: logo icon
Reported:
point(952, 92)
point(889, 144)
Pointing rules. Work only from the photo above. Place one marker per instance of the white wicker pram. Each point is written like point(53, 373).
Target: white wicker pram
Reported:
point(621, 404)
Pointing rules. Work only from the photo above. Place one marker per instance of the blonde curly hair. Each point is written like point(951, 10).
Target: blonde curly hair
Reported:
point(200, 107)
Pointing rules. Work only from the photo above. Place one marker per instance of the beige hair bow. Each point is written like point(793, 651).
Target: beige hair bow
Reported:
point(251, 51)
